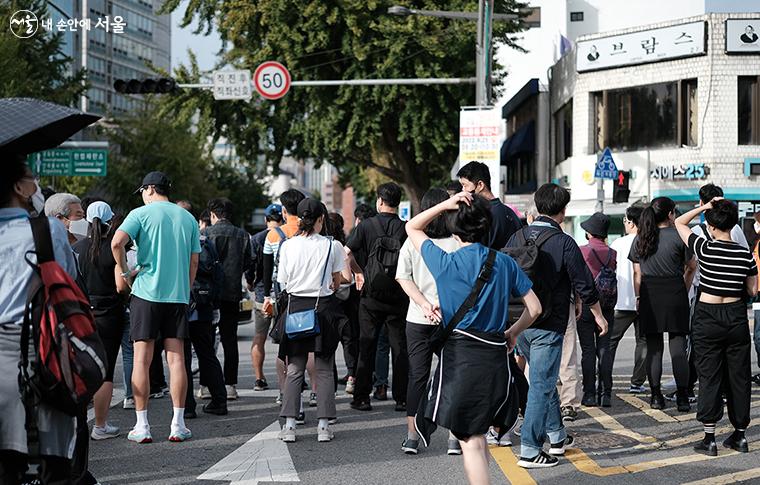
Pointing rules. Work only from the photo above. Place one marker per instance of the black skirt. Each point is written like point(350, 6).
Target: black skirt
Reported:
point(331, 319)
point(664, 305)
point(471, 390)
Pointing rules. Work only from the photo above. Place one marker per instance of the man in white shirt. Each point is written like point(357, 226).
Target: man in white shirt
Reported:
point(626, 312)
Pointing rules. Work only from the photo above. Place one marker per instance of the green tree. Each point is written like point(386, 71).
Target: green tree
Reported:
point(36, 67)
point(408, 134)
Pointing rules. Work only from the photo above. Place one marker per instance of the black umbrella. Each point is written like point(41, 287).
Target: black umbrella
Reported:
point(31, 125)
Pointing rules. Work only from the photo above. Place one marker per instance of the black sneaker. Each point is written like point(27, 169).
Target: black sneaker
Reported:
point(410, 447)
point(558, 449)
point(453, 448)
point(219, 409)
point(261, 385)
point(709, 448)
point(400, 406)
point(569, 414)
point(542, 460)
point(301, 418)
point(737, 443)
point(361, 405)
point(589, 400)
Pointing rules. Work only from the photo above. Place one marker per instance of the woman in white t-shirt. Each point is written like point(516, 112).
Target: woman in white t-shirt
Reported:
point(309, 271)
point(423, 316)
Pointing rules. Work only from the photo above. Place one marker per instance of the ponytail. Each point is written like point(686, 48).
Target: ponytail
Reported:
point(307, 222)
point(649, 233)
point(96, 234)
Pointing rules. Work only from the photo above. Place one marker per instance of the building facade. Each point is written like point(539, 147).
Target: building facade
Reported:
point(679, 109)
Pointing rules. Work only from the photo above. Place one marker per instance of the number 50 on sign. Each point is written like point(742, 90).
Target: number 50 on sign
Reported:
point(272, 80)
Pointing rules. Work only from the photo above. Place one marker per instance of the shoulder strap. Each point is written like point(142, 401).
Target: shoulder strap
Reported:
point(324, 272)
point(705, 233)
point(43, 243)
point(472, 298)
point(281, 233)
point(545, 236)
point(596, 255)
point(376, 222)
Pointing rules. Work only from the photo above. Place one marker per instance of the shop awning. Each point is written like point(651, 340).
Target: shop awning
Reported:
point(521, 141)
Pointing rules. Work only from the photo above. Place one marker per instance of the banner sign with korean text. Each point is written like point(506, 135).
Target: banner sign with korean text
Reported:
point(653, 45)
point(743, 36)
point(481, 133)
point(691, 171)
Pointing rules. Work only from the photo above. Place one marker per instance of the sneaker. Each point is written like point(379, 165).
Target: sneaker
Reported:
point(301, 418)
point(231, 393)
point(492, 438)
point(288, 435)
point(381, 393)
point(104, 433)
point(569, 414)
point(361, 405)
point(325, 435)
point(129, 403)
point(219, 409)
point(517, 428)
point(673, 397)
point(261, 385)
point(453, 448)
point(179, 435)
point(756, 379)
point(140, 436)
point(350, 385)
point(158, 394)
point(332, 421)
point(410, 447)
point(634, 389)
point(204, 393)
point(558, 449)
point(313, 400)
point(709, 448)
point(400, 406)
point(278, 401)
point(542, 460)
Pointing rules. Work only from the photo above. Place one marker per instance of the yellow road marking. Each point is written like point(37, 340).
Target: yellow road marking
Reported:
point(728, 478)
point(613, 425)
point(586, 464)
point(643, 406)
point(507, 461)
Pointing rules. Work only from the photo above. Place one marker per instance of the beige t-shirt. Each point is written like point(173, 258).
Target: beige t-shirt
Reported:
point(411, 267)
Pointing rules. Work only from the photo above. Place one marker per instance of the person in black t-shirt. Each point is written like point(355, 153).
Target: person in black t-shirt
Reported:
point(374, 313)
point(476, 179)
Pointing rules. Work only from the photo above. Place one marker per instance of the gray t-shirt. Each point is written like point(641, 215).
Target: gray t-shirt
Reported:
point(669, 260)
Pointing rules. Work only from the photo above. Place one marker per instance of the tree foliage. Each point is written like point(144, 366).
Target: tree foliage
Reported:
point(407, 133)
point(36, 67)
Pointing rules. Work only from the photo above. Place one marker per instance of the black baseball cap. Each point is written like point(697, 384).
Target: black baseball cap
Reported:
point(155, 178)
point(310, 208)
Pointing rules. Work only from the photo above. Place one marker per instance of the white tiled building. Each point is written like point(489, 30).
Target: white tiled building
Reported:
point(695, 117)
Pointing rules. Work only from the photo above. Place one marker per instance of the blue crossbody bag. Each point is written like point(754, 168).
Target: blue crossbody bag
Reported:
point(305, 324)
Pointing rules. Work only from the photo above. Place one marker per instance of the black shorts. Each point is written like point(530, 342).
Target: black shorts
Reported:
point(151, 320)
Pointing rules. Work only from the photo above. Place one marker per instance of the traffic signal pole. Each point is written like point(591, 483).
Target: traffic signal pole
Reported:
point(359, 82)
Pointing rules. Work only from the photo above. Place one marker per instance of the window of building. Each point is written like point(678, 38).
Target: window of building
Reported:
point(563, 132)
point(576, 16)
point(749, 110)
point(651, 116)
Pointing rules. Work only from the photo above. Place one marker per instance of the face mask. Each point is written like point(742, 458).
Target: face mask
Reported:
point(79, 228)
point(757, 226)
point(37, 200)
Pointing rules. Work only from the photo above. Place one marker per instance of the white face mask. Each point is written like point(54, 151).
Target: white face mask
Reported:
point(757, 227)
point(79, 228)
point(37, 200)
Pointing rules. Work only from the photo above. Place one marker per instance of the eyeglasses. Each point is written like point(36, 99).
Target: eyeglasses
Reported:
point(142, 189)
point(625, 220)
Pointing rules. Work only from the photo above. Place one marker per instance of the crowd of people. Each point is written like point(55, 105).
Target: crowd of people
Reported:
point(504, 307)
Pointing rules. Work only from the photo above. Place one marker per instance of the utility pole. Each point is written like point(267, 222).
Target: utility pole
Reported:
point(483, 53)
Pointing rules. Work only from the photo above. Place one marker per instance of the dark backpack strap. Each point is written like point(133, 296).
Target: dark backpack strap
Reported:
point(43, 243)
point(376, 222)
point(472, 298)
point(545, 236)
point(609, 259)
point(705, 233)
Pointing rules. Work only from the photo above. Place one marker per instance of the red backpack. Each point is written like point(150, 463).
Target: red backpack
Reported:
point(71, 361)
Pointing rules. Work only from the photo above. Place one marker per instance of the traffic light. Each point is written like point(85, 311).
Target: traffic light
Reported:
point(620, 190)
point(145, 86)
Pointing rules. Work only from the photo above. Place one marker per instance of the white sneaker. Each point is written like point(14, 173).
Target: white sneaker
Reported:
point(203, 393)
point(325, 435)
point(104, 433)
point(129, 403)
point(288, 435)
point(350, 385)
point(232, 393)
point(492, 437)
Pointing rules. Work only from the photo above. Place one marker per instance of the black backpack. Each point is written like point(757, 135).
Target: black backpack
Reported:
point(209, 280)
point(380, 272)
point(527, 254)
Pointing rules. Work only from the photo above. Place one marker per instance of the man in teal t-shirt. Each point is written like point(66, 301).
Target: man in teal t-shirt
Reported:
point(168, 244)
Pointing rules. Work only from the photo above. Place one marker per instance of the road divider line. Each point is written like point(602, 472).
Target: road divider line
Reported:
point(613, 425)
point(507, 461)
point(644, 407)
point(728, 478)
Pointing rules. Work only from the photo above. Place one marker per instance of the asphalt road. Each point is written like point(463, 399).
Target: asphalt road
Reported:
point(620, 445)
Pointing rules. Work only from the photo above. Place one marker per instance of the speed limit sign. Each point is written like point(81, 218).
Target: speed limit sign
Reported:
point(271, 80)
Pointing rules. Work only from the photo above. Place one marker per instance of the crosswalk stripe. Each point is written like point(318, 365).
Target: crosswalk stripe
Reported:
point(507, 461)
point(728, 478)
point(613, 425)
point(640, 404)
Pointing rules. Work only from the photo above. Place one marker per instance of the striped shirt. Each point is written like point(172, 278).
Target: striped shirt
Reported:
point(724, 266)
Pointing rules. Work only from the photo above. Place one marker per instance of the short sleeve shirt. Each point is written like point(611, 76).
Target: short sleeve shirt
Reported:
point(364, 235)
point(411, 267)
point(669, 259)
point(165, 235)
point(455, 275)
point(303, 260)
point(724, 266)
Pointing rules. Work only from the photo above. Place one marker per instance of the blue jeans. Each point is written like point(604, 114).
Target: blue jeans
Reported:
point(127, 356)
point(757, 336)
point(382, 358)
point(543, 351)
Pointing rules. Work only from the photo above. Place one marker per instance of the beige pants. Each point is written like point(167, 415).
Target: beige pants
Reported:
point(569, 377)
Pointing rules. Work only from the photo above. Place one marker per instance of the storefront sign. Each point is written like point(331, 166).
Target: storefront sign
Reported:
point(642, 47)
point(743, 36)
point(481, 132)
point(691, 171)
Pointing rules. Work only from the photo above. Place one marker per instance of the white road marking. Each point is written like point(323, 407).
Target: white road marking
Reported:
point(263, 458)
